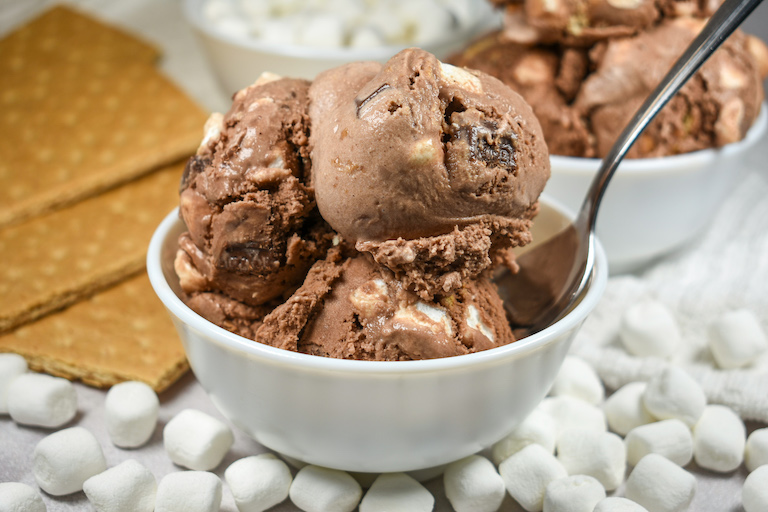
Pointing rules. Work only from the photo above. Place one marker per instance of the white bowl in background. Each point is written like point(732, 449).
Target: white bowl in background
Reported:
point(238, 62)
point(655, 205)
point(370, 416)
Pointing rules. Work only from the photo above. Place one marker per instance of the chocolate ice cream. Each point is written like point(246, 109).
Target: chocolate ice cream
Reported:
point(247, 201)
point(433, 170)
point(416, 178)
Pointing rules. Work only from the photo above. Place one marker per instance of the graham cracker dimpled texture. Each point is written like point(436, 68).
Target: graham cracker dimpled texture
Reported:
point(83, 109)
point(121, 334)
point(56, 259)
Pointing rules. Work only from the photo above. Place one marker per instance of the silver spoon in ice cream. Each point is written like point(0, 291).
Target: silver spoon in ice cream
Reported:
point(549, 283)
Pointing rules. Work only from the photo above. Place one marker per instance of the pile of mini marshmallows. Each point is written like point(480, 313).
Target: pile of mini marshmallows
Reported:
point(561, 458)
point(343, 23)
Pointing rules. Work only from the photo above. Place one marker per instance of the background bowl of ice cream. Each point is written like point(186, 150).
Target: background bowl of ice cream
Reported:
point(370, 416)
point(654, 206)
point(243, 39)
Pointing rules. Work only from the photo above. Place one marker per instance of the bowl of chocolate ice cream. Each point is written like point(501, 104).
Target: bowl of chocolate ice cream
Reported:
point(335, 267)
point(586, 74)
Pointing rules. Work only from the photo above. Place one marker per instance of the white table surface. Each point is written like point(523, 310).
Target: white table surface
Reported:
point(162, 23)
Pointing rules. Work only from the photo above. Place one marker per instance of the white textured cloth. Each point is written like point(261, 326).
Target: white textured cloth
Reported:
point(726, 269)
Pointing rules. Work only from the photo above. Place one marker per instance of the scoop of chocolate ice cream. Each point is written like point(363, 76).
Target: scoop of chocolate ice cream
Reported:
point(246, 199)
point(431, 169)
point(716, 107)
point(352, 308)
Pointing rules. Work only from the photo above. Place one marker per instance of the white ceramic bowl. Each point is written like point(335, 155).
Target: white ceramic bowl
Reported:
point(237, 62)
point(369, 416)
point(655, 205)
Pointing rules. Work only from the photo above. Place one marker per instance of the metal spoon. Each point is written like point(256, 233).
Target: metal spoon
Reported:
point(549, 282)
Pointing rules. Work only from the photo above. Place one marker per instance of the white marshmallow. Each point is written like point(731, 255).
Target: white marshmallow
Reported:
point(736, 339)
point(41, 400)
point(196, 440)
point(62, 461)
point(673, 394)
point(397, 491)
point(427, 20)
point(670, 438)
point(649, 329)
point(577, 493)
point(11, 366)
point(598, 454)
point(624, 409)
point(754, 493)
point(472, 484)
point(578, 379)
point(189, 491)
point(127, 487)
point(258, 482)
point(318, 489)
point(538, 427)
point(527, 473)
point(756, 449)
point(568, 412)
point(322, 31)
point(660, 485)
point(131, 413)
point(616, 504)
point(719, 438)
point(17, 497)
point(365, 37)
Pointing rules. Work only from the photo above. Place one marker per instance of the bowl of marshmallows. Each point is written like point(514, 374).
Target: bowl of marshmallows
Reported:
point(295, 38)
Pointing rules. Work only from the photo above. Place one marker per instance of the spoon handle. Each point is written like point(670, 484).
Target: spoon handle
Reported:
point(722, 23)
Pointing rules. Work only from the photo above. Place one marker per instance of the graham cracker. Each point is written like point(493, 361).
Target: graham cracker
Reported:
point(123, 333)
point(57, 259)
point(83, 109)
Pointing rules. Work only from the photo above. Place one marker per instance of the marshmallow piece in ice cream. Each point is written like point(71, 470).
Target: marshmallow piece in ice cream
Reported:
point(660, 485)
point(41, 400)
point(472, 484)
point(736, 339)
point(127, 487)
point(719, 438)
point(62, 461)
point(433, 169)
point(674, 394)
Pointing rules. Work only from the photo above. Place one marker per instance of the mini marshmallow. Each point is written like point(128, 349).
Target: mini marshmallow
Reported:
point(649, 329)
point(538, 427)
point(527, 473)
point(577, 493)
point(624, 409)
point(754, 493)
point(318, 489)
point(258, 482)
point(41, 400)
point(598, 454)
point(568, 412)
point(11, 366)
point(127, 487)
point(578, 379)
point(189, 491)
point(365, 37)
point(473, 485)
point(616, 504)
point(660, 485)
point(673, 394)
point(17, 497)
point(131, 413)
point(736, 339)
point(322, 30)
point(397, 491)
point(719, 438)
point(62, 461)
point(670, 438)
point(756, 449)
point(196, 440)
